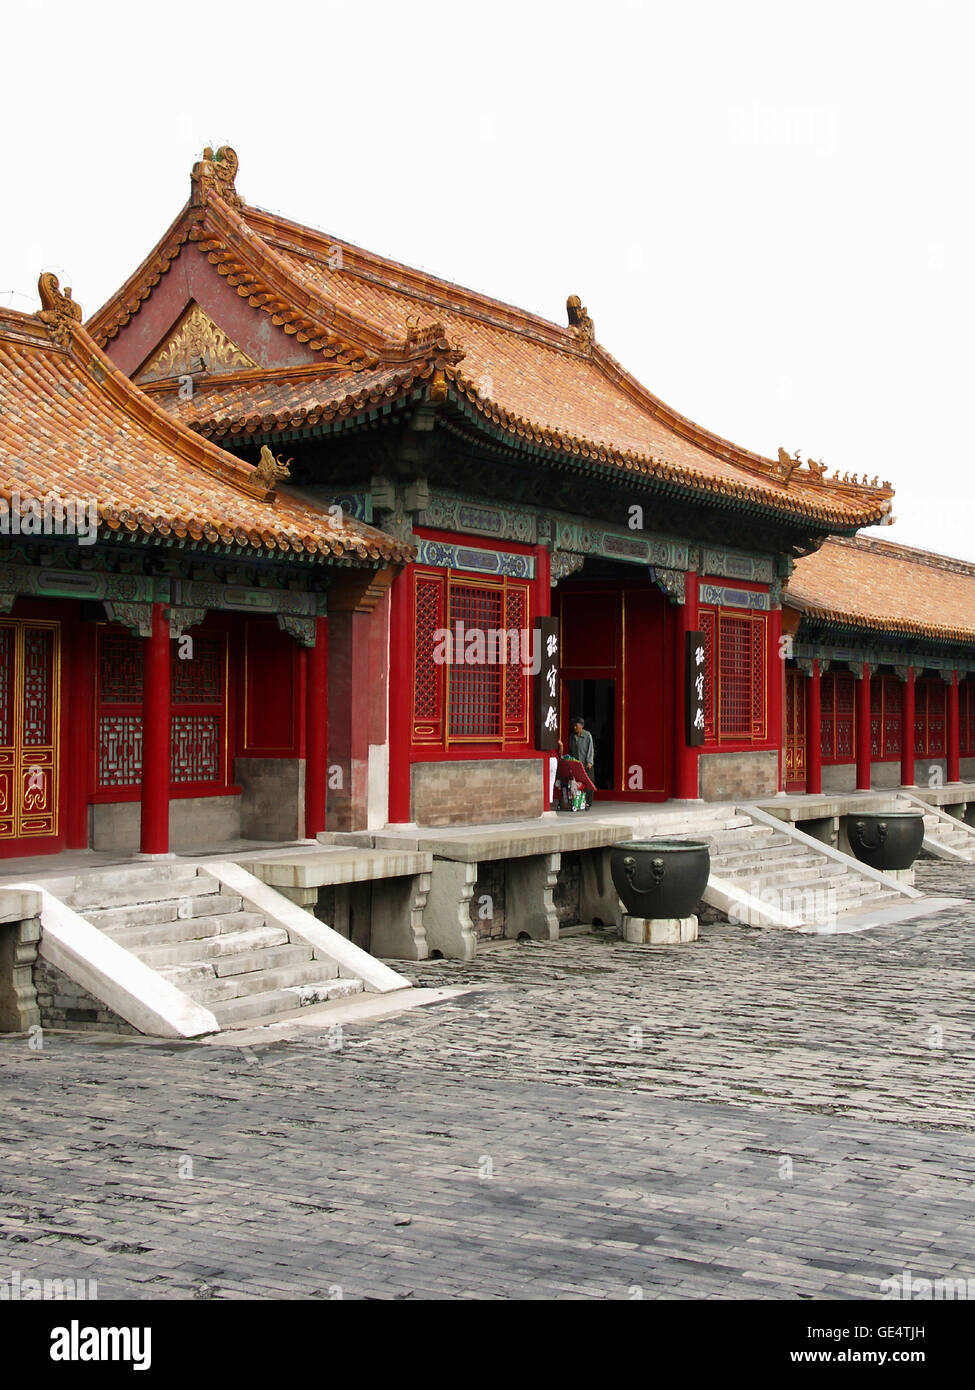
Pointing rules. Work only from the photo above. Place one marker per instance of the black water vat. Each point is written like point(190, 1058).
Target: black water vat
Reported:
point(886, 840)
point(660, 878)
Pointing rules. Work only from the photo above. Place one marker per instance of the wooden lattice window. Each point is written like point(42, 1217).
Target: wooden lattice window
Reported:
point(966, 718)
point(837, 721)
point(198, 712)
point(930, 721)
point(735, 675)
point(470, 700)
point(886, 718)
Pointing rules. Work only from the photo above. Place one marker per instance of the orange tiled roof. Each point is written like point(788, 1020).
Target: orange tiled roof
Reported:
point(261, 402)
point(72, 424)
point(876, 584)
point(534, 380)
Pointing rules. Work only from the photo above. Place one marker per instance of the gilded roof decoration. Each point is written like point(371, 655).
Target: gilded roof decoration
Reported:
point(59, 313)
point(195, 345)
point(218, 172)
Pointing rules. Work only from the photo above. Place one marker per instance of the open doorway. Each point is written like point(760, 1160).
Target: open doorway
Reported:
point(595, 702)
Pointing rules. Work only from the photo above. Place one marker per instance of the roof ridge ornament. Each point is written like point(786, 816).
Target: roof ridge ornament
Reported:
point(217, 173)
point(271, 470)
point(579, 320)
point(58, 312)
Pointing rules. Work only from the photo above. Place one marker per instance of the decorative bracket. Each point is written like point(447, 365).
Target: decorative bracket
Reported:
point(135, 616)
point(301, 629)
point(182, 618)
point(671, 582)
point(564, 563)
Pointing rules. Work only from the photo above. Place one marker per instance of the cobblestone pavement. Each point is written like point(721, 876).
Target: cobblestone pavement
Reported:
point(759, 1114)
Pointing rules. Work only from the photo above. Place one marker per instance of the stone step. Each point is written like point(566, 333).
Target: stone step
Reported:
point(211, 904)
point(231, 1012)
point(291, 975)
point(209, 981)
point(137, 938)
point(729, 861)
point(687, 826)
point(108, 881)
point(211, 948)
point(869, 902)
point(752, 838)
point(788, 877)
point(145, 891)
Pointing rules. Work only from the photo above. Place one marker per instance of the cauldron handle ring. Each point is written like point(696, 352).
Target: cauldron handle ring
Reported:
point(656, 873)
point(881, 835)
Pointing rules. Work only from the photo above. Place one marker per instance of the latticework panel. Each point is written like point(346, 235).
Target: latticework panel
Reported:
point(937, 719)
point(893, 726)
point(428, 676)
point(844, 722)
point(515, 681)
point(475, 688)
point(7, 644)
point(195, 755)
point(706, 622)
point(735, 692)
point(38, 675)
point(120, 664)
point(199, 679)
point(119, 760)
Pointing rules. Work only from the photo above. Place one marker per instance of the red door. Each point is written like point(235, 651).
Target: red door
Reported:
point(616, 674)
point(30, 667)
point(795, 731)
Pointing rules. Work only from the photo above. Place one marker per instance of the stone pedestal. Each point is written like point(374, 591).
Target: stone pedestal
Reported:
point(598, 899)
point(659, 931)
point(901, 875)
point(528, 889)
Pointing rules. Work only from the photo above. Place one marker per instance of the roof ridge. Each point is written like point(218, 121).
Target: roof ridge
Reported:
point(896, 550)
point(461, 298)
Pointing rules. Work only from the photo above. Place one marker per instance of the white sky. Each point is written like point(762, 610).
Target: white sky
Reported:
point(766, 207)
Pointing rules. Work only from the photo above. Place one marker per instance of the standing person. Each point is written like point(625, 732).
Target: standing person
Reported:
point(582, 747)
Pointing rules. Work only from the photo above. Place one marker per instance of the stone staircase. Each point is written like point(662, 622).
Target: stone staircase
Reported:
point(761, 875)
point(946, 837)
point(194, 933)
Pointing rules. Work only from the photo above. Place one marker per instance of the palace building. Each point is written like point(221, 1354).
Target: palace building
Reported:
point(312, 461)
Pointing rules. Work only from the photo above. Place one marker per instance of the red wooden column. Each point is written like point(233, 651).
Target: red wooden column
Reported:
point(907, 731)
point(156, 735)
point(863, 729)
point(954, 742)
point(814, 734)
point(316, 730)
point(685, 760)
point(776, 691)
point(401, 648)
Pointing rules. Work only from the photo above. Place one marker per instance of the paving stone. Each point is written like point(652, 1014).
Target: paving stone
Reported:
point(591, 1117)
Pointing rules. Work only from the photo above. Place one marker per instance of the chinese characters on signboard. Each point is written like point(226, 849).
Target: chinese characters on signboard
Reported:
point(547, 684)
point(694, 687)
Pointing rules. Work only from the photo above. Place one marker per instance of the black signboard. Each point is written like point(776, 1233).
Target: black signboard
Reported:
point(694, 687)
point(546, 681)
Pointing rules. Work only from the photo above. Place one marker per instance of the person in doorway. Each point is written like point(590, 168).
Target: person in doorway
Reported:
point(582, 747)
